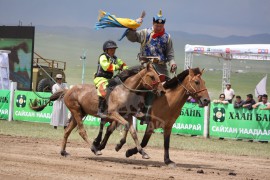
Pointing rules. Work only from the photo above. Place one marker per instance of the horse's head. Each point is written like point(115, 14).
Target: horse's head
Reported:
point(195, 87)
point(150, 80)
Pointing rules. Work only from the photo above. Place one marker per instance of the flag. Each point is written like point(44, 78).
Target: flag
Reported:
point(260, 89)
point(105, 20)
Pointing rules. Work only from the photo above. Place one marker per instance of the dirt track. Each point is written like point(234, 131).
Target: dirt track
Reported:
point(29, 158)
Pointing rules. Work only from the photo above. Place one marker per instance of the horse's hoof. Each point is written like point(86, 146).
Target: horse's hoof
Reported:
point(117, 148)
point(95, 150)
point(98, 153)
point(145, 156)
point(128, 154)
point(64, 153)
point(171, 164)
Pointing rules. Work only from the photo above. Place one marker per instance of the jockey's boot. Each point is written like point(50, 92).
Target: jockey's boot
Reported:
point(101, 107)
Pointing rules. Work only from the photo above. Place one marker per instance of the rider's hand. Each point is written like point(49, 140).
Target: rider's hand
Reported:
point(139, 20)
point(173, 68)
point(121, 67)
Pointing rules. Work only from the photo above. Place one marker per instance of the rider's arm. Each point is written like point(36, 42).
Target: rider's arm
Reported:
point(106, 65)
point(121, 64)
point(136, 35)
point(170, 52)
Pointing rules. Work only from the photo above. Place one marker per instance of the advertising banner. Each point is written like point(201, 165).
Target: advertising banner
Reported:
point(225, 121)
point(22, 110)
point(4, 103)
point(190, 121)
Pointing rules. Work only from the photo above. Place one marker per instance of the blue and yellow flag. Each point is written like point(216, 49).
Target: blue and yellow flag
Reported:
point(105, 19)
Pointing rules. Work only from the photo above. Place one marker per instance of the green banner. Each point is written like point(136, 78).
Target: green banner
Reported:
point(225, 121)
point(92, 121)
point(23, 112)
point(4, 103)
point(190, 121)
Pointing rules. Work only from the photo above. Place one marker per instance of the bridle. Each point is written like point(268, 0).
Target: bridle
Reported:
point(195, 93)
point(150, 89)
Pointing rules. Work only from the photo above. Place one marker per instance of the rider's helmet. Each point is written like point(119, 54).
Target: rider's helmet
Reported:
point(109, 45)
point(159, 18)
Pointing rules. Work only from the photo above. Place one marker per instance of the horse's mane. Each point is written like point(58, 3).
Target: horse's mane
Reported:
point(179, 78)
point(124, 75)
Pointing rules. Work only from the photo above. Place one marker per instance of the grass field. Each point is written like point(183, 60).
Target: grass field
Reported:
point(230, 147)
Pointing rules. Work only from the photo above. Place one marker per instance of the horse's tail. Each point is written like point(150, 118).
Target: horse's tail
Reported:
point(57, 95)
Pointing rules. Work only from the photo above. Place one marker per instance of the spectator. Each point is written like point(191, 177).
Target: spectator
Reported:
point(238, 102)
point(59, 113)
point(259, 98)
point(221, 99)
point(264, 103)
point(249, 102)
point(229, 93)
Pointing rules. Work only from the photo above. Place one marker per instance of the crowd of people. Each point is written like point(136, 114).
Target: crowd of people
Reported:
point(249, 103)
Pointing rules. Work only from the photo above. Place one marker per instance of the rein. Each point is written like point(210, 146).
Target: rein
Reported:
point(40, 95)
point(136, 90)
point(192, 93)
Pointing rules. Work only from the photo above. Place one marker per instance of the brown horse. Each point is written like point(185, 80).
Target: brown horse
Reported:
point(167, 108)
point(82, 100)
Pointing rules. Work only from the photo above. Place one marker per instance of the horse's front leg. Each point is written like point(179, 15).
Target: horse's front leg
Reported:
point(128, 126)
point(167, 135)
point(96, 142)
point(109, 131)
point(135, 138)
point(124, 137)
point(147, 135)
point(122, 141)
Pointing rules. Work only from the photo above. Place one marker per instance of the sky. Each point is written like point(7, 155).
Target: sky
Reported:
point(219, 18)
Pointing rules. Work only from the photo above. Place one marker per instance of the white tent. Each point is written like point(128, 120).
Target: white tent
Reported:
point(259, 52)
point(4, 69)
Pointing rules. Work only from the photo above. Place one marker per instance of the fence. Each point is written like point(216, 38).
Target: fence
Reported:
point(215, 120)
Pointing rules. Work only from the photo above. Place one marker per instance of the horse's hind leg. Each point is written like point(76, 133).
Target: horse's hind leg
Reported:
point(72, 124)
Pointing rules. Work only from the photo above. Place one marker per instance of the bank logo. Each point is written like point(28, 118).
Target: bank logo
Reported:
point(219, 114)
point(21, 101)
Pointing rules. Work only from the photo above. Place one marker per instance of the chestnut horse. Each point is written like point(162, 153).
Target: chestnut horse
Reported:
point(82, 100)
point(167, 108)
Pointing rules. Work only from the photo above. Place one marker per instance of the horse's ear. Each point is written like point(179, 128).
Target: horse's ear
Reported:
point(191, 73)
point(148, 66)
point(202, 71)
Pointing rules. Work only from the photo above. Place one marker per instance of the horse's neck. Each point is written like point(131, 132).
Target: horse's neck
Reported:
point(176, 98)
point(134, 82)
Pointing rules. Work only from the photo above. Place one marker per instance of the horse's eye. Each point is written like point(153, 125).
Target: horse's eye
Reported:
point(152, 78)
point(197, 82)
